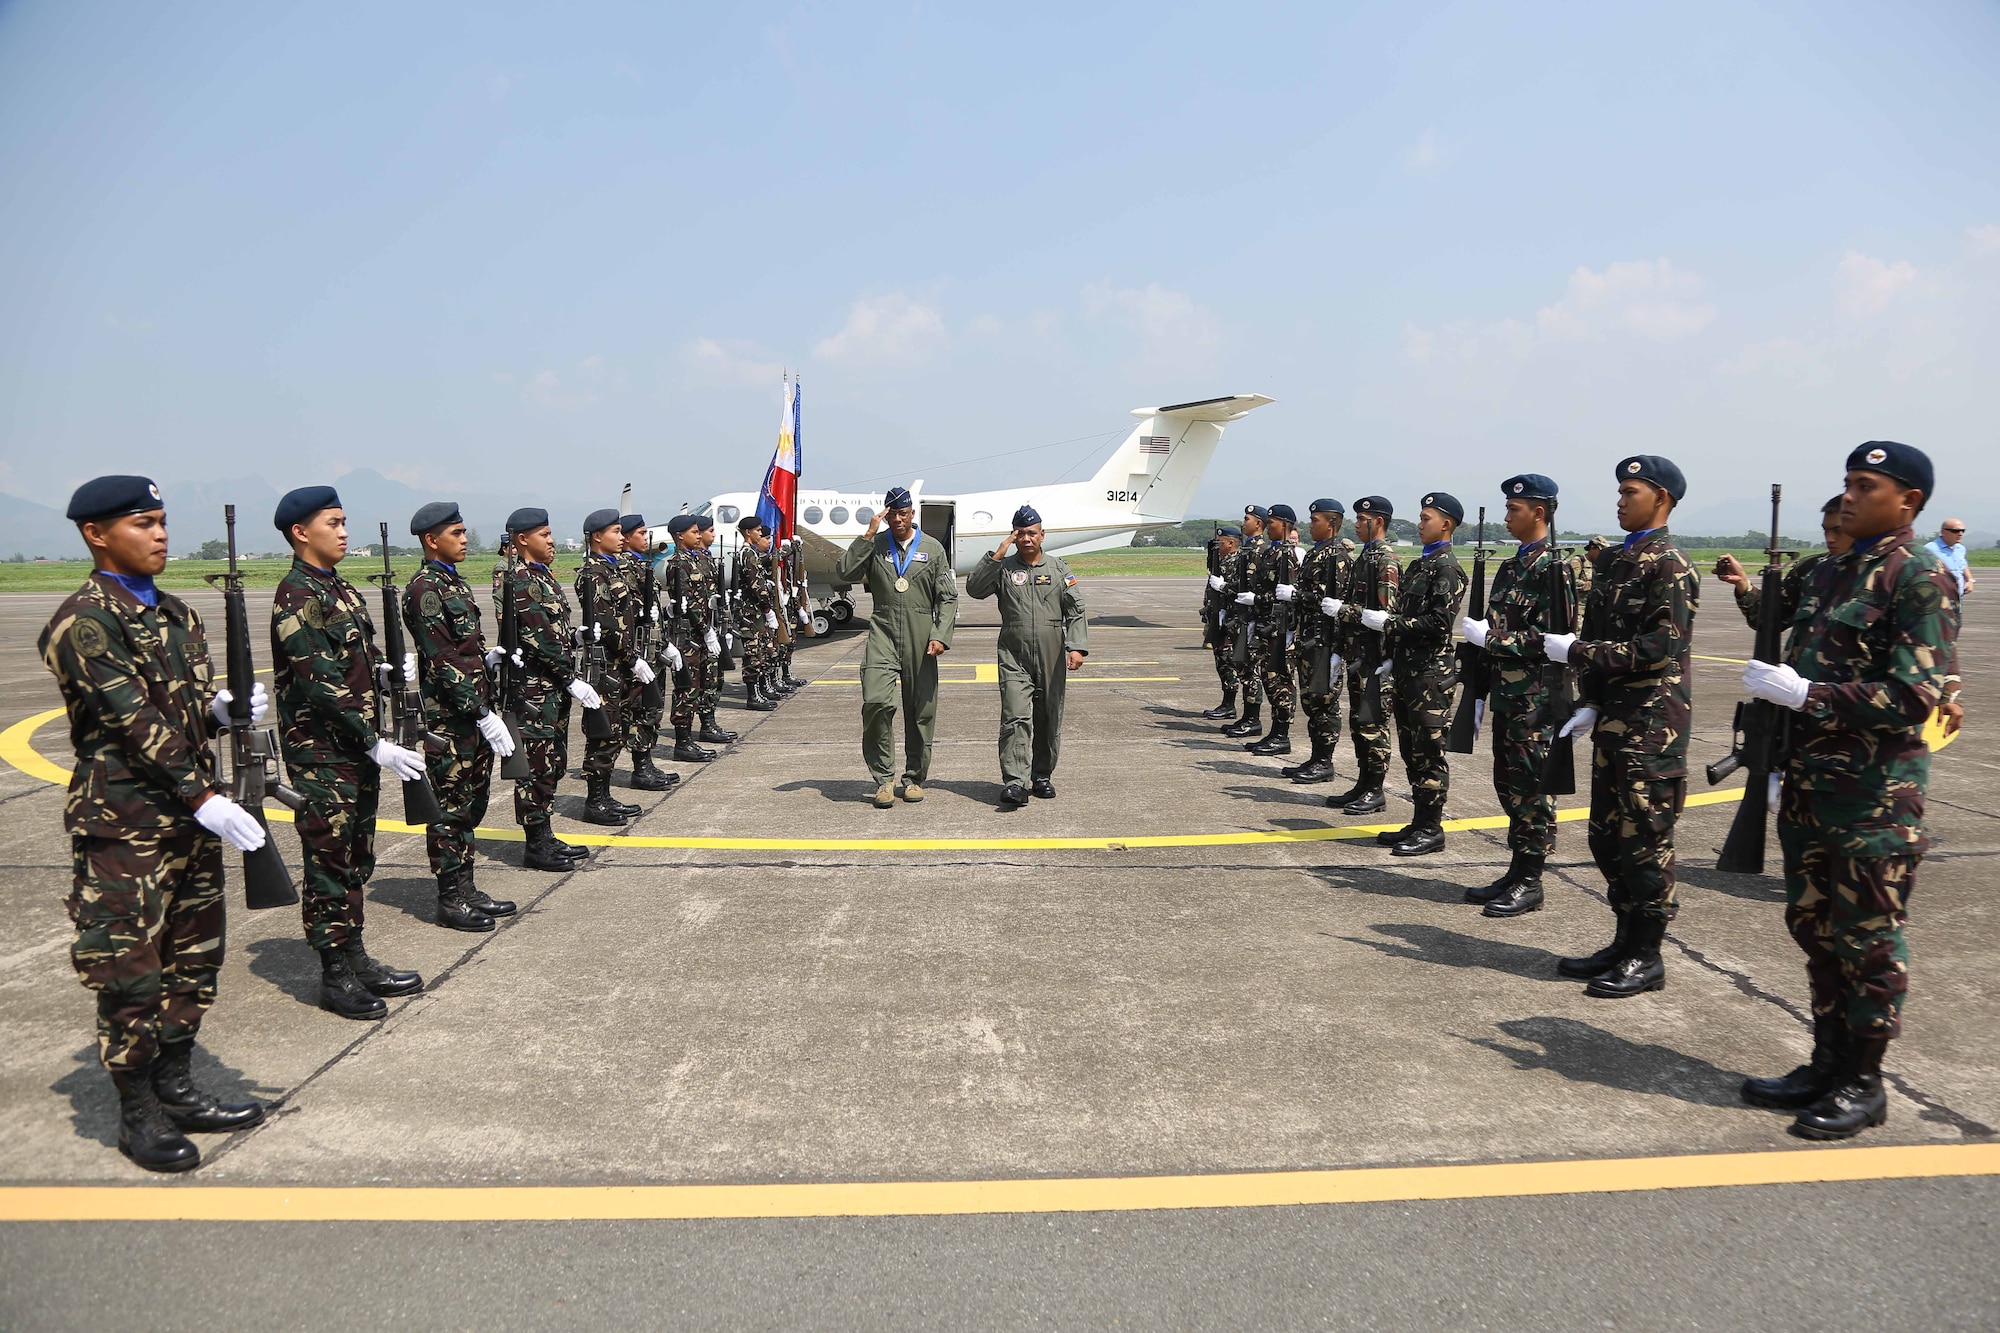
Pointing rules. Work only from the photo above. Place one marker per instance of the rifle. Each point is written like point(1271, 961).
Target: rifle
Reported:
point(1472, 661)
point(588, 665)
point(403, 700)
point(253, 750)
point(795, 570)
point(722, 616)
point(1761, 730)
point(1319, 635)
point(1375, 647)
point(1243, 622)
point(1558, 696)
point(653, 694)
point(1209, 610)
point(773, 560)
point(507, 682)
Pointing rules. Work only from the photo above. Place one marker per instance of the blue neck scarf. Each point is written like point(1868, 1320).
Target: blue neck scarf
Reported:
point(1632, 539)
point(1529, 546)
point(139, 585)
point(445, 566)
point(1432, 548)
point(1861, 544)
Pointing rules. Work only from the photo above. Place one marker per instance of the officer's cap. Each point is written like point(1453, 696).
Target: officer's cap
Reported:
point(435, 514)
point(1026, 517)
point(749, 523)
point(527, 520)
point(597, 520)
point(1447, 504)
point(1529, 486)
point(1257, 512)
point(1229, 530)
point(679, 524)
point(898, 497)
point(1326, 507)
point(631, 523)
point(113, 497)
point(1374, 504)
point(1898, 462)
point(300, 505)
point(1284, 513)
point(1657, 471)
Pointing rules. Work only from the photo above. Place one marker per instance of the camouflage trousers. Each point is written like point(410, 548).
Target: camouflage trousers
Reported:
point(148, 913)
point(545, 739)
point(600, 754)
point(1371, 739)
point(642, 721)
point(693, 695)
point(1322, 710)
point(1423, 717)
point(1846, 905)
point(1274, 673)
point(1632, 817)
point(337, 831)
point(1520, 749)
point(1225, 669)
point(461, 777)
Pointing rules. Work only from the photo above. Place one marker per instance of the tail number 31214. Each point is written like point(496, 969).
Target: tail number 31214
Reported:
point(1117, 497)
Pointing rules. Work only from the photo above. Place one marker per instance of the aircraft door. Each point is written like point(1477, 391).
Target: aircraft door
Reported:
point(940, 520)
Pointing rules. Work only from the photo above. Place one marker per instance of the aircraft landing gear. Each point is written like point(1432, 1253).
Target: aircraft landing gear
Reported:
point(842, 612)
point(822, 624)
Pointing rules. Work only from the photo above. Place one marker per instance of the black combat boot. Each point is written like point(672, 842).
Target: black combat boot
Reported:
point(647, 777)
point(754, 700)
point(1856, 1100)
point(145, 1134)
point(1249, 724)
point(1363, 798)
point(1585, 966)
point(477, 896)
point(1319, 768)
point(598, 807)
point(1525, 894)
point(188, 1106)
point(1426, 832)
point(777, 686)
point(1013, 794)
point(1278, 742)
point(1224, 711)
point(1810, 1081)
point(543, 852)
point(1639, 968)
point(686, 751)
point(711, 732)
point(341, 992)
point(376, 976)
point(1498, 887)
point(455, 909)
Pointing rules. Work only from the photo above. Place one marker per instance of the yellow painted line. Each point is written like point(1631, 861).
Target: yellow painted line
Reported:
point(940, 1198)
point(986, 673)
point(17, 747)
point(1733, 661)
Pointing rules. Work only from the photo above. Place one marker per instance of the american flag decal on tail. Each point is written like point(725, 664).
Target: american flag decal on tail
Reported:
point(1155, 444)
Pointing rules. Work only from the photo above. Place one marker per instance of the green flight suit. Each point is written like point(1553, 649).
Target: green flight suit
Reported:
point(894, 665)
point(1041, 621)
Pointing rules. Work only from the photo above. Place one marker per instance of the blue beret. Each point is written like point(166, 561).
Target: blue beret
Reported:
point(1026, 517)
point(299, 505)
point(433, 514)
point(679, 524)
point(597, 520)
point(1447, 504)
point(1374, 504)
point(1325, 507)
point(113, 497)
point(629, 523)
point(1229, 530)
point(1257, 512)
point(749, 523)
point(1656, 470)
point(1899, 462)
point(897, 498)
point(703, 522)
point(1528, 486)
point(527, 520)
point(1284, 513)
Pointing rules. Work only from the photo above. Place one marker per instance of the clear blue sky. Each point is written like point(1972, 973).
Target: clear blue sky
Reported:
point(455, 243)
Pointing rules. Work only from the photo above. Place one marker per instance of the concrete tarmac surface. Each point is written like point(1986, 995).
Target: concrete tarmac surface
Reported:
point(725, 1014)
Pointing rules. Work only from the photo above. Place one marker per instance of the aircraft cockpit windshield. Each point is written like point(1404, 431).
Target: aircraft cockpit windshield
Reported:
point(701, 510)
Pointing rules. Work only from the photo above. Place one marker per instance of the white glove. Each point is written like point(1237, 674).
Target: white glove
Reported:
point(672, 654)
point(643, 671)
point(1475, 631)
point(581, 691)
point(1330, 606)
point(1383, 670)
point(1375, 620)
point(1582, 720)
point(713, 644)
point(596, 632)
point(1557, 646)
point(771, 619)
point(409, 666)
point(1478, 716)
point(405, 764)
point(1246, 599)
point(1215, 582)
point(518, 662)
point(493, 656)
point(1774, 787)
point(495, 732)
point(230, 822)
point(260, 703)
point(653, 614)
point(1284, 592)
point(1333, 666)
point(1777, 684)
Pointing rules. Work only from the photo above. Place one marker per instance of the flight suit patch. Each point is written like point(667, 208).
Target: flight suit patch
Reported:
point(1043, 580)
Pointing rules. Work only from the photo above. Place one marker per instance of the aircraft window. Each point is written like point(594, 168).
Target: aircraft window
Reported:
point(814, 514)
point(727, 514)
point(701, 510)
point(863, 514)
point(839, 514)
point(981, 516)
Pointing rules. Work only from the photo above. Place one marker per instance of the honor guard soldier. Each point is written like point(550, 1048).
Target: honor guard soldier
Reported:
point(712, 732)
point(1864, 670)
point(1372, 583)
point(1635, 678)
point(146, 819)
point(1274, 583)
point(1584, 567)
point(1798, 574)
point(456, 667)
point(913, 610)
point(548, 684)
point(642, 719)
point(691, 592)
point(1533, 594)
point(1323, 578)
point(328, 670)
point(757, 604)
point(1044, 636)
point(613, 619)
point(1218, 632)
point(1418, 635)
point(1240, 601)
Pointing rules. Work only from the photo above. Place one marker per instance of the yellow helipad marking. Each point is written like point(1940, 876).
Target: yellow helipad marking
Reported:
point(936, 1198)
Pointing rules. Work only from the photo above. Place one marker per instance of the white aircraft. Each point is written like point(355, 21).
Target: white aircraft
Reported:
point(1147, 483)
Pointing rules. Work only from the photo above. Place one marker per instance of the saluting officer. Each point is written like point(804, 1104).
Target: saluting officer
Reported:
point(1864, 670)
point(1372, 584)
point(547, 686)
point(1635, 679)
point(1240, 598)
point(1532, 593)
point(1220, 634)
point(1418, 633)
point(613, 618)
point(1274, 582)
point(1323, 580)
point(642, 720)
point(328, 670)
point(444, 626)
point(1044, 636)
point(146, 818)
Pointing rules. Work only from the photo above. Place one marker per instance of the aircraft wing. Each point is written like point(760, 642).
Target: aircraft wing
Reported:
point(1227, 408)
point(820, 554)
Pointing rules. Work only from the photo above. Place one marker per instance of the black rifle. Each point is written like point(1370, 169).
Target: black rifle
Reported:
point(1210, 598)
point(1761, 731)
point(253, 750)
point(1374, 651)
point(653, 694)
point(403, 700)
point(722, 618)
point(1472, 661)
point(589, 663)
point(1242, 620)
point(771, 562)
point(1558, 691)
point(507, 678)
point(795, 570)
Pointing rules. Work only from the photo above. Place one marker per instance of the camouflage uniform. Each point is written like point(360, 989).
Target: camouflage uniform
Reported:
point(1326, 571)
point(1373, 582)
point(1532, 592)
point(711, 674)
point(614, 606)
point(323, 649)
point(1791, 589)
point(444, 628)
point(542, 612)
point(756, 593)
point(691, 586)
point(1429, 594)
point(1876, 634)
point(1277, 562)
point(1240, 577)
point(1583, 571)
point(642, 720)
point(1632, 665)
point(146, 888)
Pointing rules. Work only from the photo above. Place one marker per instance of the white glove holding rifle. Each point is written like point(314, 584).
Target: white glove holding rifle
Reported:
point(673, 656)
point(495, 732)
point(405, 764)
point(1375, 620)
point(581, 691)
point(260, 703)
point(230, 822)
point(1580, 722)
point(642, 671)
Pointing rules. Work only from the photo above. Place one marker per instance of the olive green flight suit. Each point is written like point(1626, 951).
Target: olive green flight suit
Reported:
point(1041, 621)
point(894, 665)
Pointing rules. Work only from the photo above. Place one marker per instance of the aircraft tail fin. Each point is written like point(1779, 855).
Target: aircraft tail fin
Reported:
point(1164, 457)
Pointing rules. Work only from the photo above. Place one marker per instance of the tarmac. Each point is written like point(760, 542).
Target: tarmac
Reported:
point(1079, 1035)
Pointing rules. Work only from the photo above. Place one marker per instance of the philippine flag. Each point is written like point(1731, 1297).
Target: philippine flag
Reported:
point(778, 502)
